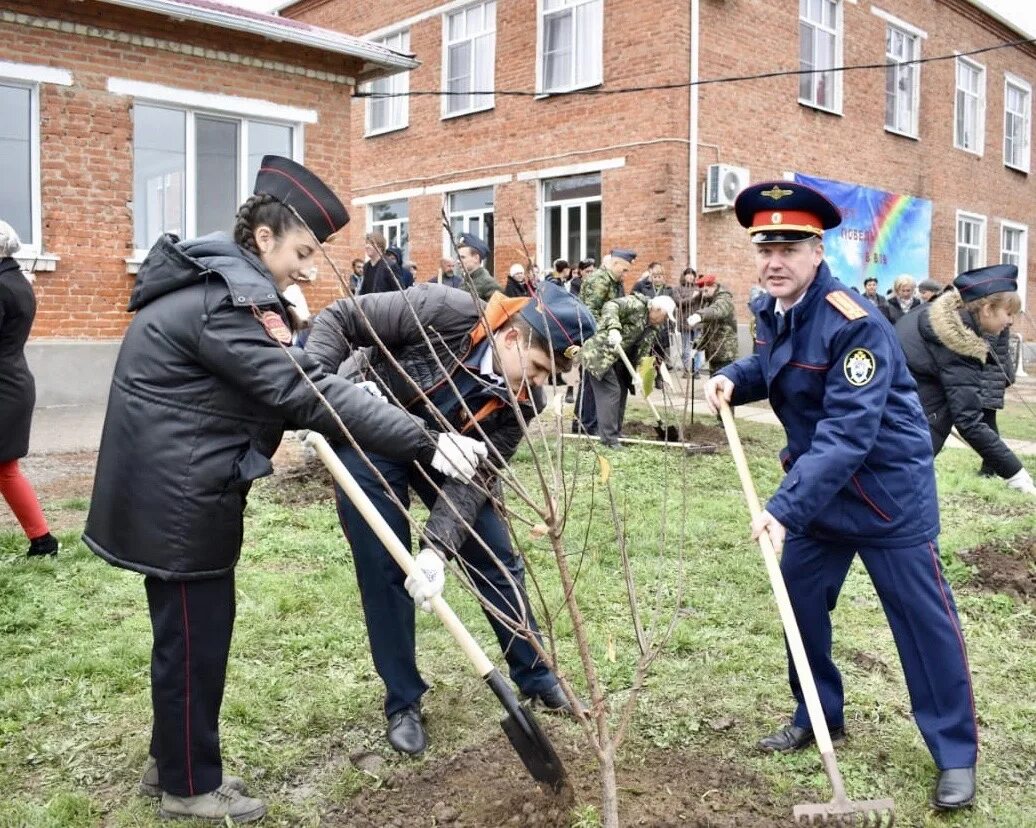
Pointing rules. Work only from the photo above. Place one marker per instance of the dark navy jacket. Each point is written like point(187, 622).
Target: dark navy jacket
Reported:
point(859, 458)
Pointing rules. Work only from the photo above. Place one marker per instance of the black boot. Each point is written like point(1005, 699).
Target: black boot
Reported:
point(790, 738)
point(406, 731)
point(954, 789)
point(43, 545)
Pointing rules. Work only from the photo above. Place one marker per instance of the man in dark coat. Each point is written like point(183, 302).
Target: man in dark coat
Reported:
point(870, 293)
point(201, 394)
point(859, 479)
point(18, 396)
point(947, 353)
point(432, 330)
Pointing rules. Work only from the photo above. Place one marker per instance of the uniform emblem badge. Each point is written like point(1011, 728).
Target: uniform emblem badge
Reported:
point(776, 193)
point(776, 218)
point(275, 327)
point(859, 366)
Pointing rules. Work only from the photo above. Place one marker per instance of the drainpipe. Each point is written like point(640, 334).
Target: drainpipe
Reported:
point(692, 150)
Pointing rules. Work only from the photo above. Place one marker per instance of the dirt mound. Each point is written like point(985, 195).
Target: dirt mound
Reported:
point(697, 432)
point(487, 786)
point(1005, 566)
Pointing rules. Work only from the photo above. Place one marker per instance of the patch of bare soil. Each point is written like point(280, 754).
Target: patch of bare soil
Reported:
point(698, 433)
point(63, 483)
point(1008, 567)
point(297, 480)
point(487, 785)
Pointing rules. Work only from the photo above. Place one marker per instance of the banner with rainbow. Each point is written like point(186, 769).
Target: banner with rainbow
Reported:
point(882, 234)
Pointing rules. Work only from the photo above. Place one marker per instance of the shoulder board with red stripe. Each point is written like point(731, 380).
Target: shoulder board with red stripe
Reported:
point(845, 305)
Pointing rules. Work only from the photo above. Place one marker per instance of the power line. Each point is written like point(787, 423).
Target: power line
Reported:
point(625, 90)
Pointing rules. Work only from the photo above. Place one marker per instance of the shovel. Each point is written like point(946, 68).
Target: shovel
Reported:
point(840, 810)
point(662, 431)
point(526, 736)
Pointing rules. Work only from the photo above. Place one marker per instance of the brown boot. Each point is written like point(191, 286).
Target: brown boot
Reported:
point(149, 781)
point(215, 806)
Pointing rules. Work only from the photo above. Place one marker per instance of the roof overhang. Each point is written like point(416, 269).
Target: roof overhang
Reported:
point(377, 60)
point(1010, 24)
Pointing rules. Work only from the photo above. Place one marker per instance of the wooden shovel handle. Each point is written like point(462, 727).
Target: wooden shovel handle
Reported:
point(780, 589)
point(633, 376)
point(395, 548)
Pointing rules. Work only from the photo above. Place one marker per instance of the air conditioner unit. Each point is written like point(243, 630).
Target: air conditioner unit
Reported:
point(722, 184)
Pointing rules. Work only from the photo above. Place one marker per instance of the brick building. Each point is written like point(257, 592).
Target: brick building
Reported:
point(129, 118)
point(580, 173)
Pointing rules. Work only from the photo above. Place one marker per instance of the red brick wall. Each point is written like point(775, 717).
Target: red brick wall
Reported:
point(86, 148)
point(755, 124)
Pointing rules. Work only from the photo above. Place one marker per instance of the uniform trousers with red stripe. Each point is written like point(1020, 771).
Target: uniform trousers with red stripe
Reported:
point(192, 623)
point(921, 612)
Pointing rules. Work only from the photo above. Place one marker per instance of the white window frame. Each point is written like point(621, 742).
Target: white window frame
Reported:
point(480, 103)
point(569, 6)
point(1023, 251)
point(566, 203)
point(30, 77)
point(1025, 87)
point(397, 83)
point(911, 35)
point(980, 220)
point(980, 107)
point(465, 216)
point(836, 98)
point(398, 223)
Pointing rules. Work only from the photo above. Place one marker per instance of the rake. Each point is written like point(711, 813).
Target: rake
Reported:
point(841, 809)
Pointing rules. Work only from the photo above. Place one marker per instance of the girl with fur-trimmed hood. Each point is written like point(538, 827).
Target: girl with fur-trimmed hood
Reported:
point(947, 352)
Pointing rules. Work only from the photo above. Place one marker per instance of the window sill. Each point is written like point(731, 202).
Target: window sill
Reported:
point(134, 262)
point(553, 93)
point(976, 153)
point(446, 116)
point(1020, 170)
point(819, 108)
point(42, 263)
point(902, 134)
point(386, 130)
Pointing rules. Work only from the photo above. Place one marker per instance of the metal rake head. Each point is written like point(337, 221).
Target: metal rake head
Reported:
point(873, 813)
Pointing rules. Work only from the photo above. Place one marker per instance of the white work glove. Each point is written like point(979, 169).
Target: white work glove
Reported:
point(694, 320)
point(429, 582)
point(371, 388)
point(615, 337)
point(1022, 482)
point(458, 456)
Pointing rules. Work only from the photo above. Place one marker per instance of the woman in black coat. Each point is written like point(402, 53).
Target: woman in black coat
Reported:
point(18, 396)
point(201, 395)
point(903, 300)
point(997, 375)
point(946, 352)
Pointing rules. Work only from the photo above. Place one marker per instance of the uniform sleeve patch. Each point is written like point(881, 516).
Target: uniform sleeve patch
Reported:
point(275, 327)
point(859, 366)
point(845, 305)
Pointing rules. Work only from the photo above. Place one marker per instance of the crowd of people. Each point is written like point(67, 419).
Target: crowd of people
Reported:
point(434, 381)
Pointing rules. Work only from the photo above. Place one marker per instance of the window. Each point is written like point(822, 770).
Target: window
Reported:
point(820, 50)
point(1017, 119)
point(392, 220)
point(1014, 246)
point(971, 241)
point(572, 218)
point(391, 113)
point(902, 81)
point(469, 48)
point(571, 44)
point(19, 147)
point(970, 106)
point(191, 170)
point(471, 211)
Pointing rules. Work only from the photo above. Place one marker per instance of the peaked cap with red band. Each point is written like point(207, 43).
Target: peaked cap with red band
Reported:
point(985, 281)
point(784, 211)
point(295, 186)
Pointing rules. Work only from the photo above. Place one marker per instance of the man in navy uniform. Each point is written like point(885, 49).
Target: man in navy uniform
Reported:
point(859, 478)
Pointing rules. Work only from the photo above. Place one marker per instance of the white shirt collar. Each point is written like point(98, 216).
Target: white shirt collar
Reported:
point(779, 308)
point(485, 367)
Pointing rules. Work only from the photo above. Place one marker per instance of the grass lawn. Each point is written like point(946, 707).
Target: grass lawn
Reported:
point(1017, 421)
point(302, 694)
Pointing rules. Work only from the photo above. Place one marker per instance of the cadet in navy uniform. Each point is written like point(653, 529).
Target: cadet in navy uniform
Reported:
point(534, 338)
point(859, 478)
point(199, 401)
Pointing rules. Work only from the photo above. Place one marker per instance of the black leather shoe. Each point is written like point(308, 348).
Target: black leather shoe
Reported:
point(553, 700)
point(955, 789)
point(406, 731)
point(790, 738)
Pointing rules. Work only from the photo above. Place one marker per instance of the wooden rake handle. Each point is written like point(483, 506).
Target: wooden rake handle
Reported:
point(780, 589)
point(395, 548)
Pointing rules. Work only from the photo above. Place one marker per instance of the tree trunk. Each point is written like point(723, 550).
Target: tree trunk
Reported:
point(609, 790)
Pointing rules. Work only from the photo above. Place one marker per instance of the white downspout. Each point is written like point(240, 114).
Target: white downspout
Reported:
point(692, 150)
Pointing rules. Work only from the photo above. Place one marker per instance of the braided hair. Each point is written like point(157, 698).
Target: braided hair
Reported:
point(261, 209)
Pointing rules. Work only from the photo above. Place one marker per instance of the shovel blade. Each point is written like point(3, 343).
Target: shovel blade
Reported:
point(534, 748)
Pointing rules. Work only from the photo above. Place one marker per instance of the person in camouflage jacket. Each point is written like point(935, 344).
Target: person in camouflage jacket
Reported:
point(630, 323)
point(713, 309)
